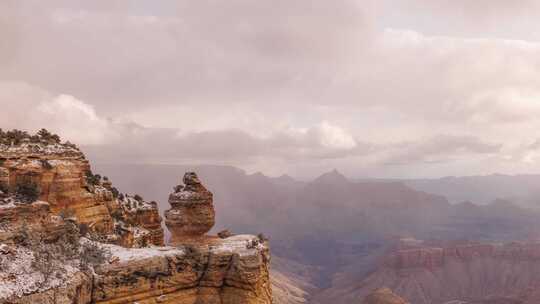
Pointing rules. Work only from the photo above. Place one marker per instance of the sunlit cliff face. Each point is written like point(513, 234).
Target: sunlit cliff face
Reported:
point(378, 88)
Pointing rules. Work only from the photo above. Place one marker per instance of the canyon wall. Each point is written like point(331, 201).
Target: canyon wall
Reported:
point(63, 178)
point(469, 272)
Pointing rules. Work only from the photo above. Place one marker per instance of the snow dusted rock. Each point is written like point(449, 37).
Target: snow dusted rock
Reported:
point(16, 216)
point(5, 249)
point(142, 222)
point(26, 278)
point(225, 234)
point(61, 172)
point(4, 176)
point(224, 271)
point(217, 271)
point(192, 212)
point(200, 269)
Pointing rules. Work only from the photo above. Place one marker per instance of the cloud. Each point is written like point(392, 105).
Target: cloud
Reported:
point(31, 108)
point(441, 148)
point(321, 141)
point(277, 83)
point(333, 137)
point(74, 119)
point(187, 52)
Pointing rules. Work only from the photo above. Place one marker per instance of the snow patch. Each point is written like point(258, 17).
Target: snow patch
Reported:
point(242, 244)
point(131, 205)
point(19, 278)
point(132, 254)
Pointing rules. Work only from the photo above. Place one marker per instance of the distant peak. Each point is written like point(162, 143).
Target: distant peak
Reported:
point(333, 176)
point(286, 177)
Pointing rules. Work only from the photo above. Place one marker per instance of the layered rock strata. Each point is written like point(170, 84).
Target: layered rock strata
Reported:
point(432, 257)
point(138, 222)
point(36, 217)
point(234, 270)
point(61, 172)
point(222, 271)
point(463, 273)
point(192, 212)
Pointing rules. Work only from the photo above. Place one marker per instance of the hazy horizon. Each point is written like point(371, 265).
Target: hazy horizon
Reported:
point(308, 178)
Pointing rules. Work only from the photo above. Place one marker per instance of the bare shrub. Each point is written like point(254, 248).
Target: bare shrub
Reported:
point(27, 191)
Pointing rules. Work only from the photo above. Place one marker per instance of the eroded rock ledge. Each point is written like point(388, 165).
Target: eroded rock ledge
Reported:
point(438, 272)
point(221, 271)
point(62, 177)
point(233, 270)
point(430, 257)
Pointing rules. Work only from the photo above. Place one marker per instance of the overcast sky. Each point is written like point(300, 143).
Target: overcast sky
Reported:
point(382, 88)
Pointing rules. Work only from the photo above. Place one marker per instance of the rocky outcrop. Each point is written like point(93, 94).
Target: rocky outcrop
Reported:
point(383, 296)
point(233, 270)
point(230, 271)
point(458, 273)
point(62, 175)
point(431, 257)
point(16, 218)
point(75, 290)
point(138, 222)
point(67, 237)
point(59, 173)
point(192, 211)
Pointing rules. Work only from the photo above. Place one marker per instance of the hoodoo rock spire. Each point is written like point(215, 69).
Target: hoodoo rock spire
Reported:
point(192, 212)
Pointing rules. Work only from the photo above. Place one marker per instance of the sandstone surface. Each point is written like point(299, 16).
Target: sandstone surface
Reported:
point(63, 178)
point(192, 212)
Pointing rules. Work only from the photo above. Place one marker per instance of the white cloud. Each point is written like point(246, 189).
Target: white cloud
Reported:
point(334, 137)
point(73, 119)
point(31, 108)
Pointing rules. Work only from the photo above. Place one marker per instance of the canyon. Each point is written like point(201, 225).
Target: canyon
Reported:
point(68, 235)
point(329, 234)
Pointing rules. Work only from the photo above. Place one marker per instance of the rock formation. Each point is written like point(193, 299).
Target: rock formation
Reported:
point(455, 273)
point(383, 296)
point(230, 271)
point(192, 211)
point(62, 177)
point(66, 237)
